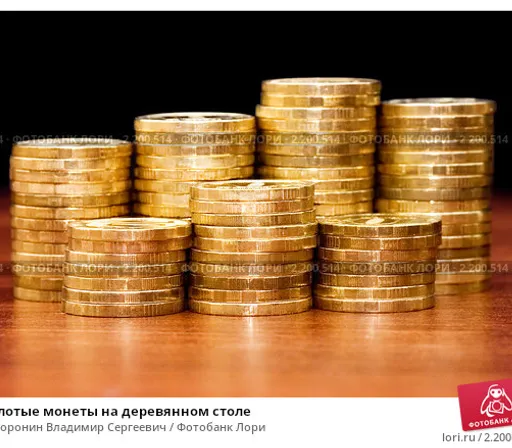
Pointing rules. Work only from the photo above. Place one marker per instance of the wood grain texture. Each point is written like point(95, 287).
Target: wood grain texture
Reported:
point(464, 339)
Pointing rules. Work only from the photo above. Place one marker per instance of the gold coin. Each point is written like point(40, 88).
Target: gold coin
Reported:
point(251, 208)
point(442, 182)
point(306, 150)
point(130, 247)
point(71, 201)
point(248, 295)
point(198, 175)
point(86, 269)
point(426, 147)
point(375, 306)
point(161, 211)
point(437, 106)
point(284, 219)
point(299, 138)
point(316, 173)
point(163, 186)
point(38, 248)
point(251, 282)
point(65, 177)
point(343, 196)
point(378, 268)
point(437, 122)
point(123, 283)
point(363, 183)
point(463, 288)
point(290, 125)
point(72, 148)
point(353, 255)
point(450, 279)
point(163, 199)
point(455, 218)
point(381, 225)
point(38, 269)
point(468, 252)
point(400, 243)
point(36, 259)
point(257, 245)
point(195, 122)
point(399, 206)
point(52, 225)
point(252, 190)
point(208, 257)
point(343, 209)
point(150, 309)
point(433, 194)
point(462, 241)
point(196, 162)
point(247, 233)
point(37, 236)
point(40, 282)
point(315, 113)
point(396, 292)
point(322, 86)
point(163, 150)
point(466, 229)
point(130, 229)
point(375, 281)
point(36, 295)
point(155, 295)
point(140, 258)
point(464, 267)
point(440, 157)
point(247, 309)
point(70, 189)
point(39, 164)
point(196, 138)
point(275, 100)
point(435, 137)
point(25, 211)
point(255, 270)
point(311, 162)
point(437, 169)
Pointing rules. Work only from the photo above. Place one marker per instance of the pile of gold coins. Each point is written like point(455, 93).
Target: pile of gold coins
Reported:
point(176, 150)
point(377, 263)
point(253, 247)
point(52, 182)
point(437, 157)
point(126, 267)
point(322, 130)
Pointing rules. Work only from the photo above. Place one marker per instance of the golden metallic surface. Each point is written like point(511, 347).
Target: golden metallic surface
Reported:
point(358, 293)
point(251, 282)
point(466, 229)
point(466, 147)
point(463, 288)
point(437, 122)
point(437, 106)
point(464, 266)
point(274, 172)
point(37, 236)
point(399, 243)
point(195, 122)
point(71, 189)
point(123, 310)
point(291, 125)
point(194, 175)
point(437, 169)
point(363, 183)
point(283, 219)
point(255, 245)
point(195, 162)
point(267, 232)
point(161, 211)
point(315, 161)
point(35, 259)
point(163, 186)
point(52, 225)
point(221, 140)
point(38, 248)
point(444, 182)
point(123, 283)
point(462, 241)
point(141, 258)
point(341, 255)
point(65, 177)
point(315, 113)
point(130, 229)
point(25, 211)
point(343, 209)
point(248, 295)
point(156, 295)
point(399, 206)
point(363, 269)
point(251, 208)
point(278, 100)
point(474, 137)
point(322, 86)
point(36, 295)
point(41, 200)
point(251, 310)
point(375, 306)
point(343, 196)
point(209, 257)
point(40, 282)
point(162, 199)
point(254, 270)
point(39, 164)
point(333, 138)
point(375, 281)
point(130, 247)
point(431, 157)
point(167, 150)
point(312, 150)
point(435, 194)
point(38, 269)
point(461, 278)
point(114, 270)
point(468, 252)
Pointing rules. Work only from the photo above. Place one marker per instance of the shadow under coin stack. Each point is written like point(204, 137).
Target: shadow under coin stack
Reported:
point(253, 248)
point(54, 181)
point(126, 267)
point(437, 157)
point(377, 263)
point(322, 130)
point(175, 150)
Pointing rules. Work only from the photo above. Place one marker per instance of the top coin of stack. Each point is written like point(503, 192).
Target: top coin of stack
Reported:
point(377, 263)
point(176, 150)
point(322, 130)
point(54, 181)
point(436, 157)
point(253, 247)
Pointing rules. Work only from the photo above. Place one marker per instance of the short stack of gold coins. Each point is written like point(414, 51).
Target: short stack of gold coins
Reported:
point(177, 150)
point(322, 130)
point(377, 263)
point(126, 267)
point(253, 247)
point(437, 157)
point(54, 181)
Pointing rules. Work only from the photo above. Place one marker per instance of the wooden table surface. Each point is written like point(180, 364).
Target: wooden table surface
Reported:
point(464, 339)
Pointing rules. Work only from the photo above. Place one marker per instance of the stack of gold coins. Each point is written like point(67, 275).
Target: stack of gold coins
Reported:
point(377, 263)
point(253, 247)
point(126, 267)
point(176, 150)
point(54, 181)
point(322, 130)
point(437, 157)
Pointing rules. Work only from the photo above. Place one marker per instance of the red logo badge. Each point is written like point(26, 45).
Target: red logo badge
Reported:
point(485, 405)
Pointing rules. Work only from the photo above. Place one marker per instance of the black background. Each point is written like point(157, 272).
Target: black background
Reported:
point(92, 73)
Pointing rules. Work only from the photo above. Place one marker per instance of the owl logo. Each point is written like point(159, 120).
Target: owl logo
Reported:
point(496, 402)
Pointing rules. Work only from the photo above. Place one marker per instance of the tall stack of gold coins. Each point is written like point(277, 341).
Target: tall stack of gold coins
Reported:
point(437, 157)
point(54, 181)
point(321, 129)
point(253, 247)
point(176, 150)
point(126, 267)
point(377, 263)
